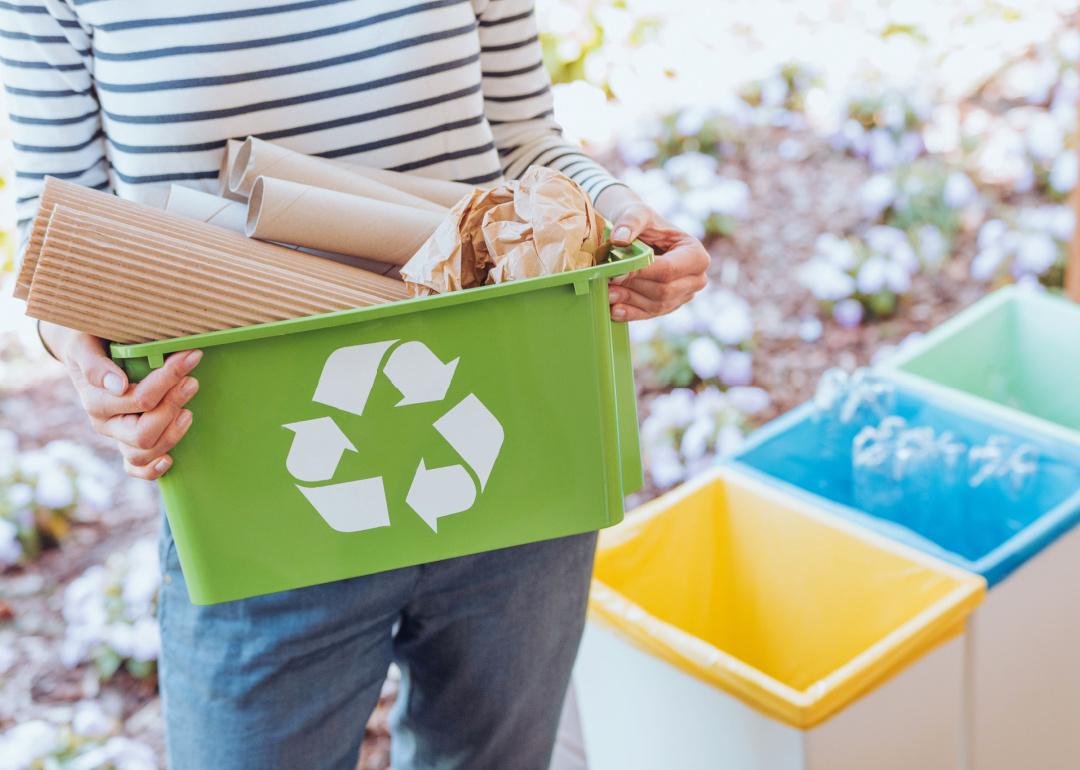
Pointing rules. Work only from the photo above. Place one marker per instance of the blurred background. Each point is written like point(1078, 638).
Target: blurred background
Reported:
point(860, 170)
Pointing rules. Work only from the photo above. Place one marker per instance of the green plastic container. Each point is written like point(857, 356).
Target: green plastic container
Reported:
point(1015, 350)
point(364, 440)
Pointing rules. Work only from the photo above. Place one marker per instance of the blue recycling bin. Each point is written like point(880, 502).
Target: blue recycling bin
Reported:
point(1023, 639)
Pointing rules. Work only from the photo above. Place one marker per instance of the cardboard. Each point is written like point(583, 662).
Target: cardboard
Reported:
point(186, 231)
point(257, 158)
point(288, 212)
point(108, 278)
point(542, 224)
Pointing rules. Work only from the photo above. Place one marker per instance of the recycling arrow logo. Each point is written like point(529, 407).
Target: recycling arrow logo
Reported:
point(422, 377)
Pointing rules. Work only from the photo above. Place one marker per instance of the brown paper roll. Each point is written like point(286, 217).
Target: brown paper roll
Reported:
point(185, 231)
point(258, 158)
point(284, 211)
point(114, 280)
point(228, 158)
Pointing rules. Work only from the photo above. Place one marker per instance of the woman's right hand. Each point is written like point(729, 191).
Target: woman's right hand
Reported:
point(147, 419)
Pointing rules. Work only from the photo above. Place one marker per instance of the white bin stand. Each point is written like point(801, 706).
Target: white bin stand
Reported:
point(1024, 657)
point(639, 712)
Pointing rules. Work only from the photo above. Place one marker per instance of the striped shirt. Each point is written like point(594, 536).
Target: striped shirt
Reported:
point(129, 95)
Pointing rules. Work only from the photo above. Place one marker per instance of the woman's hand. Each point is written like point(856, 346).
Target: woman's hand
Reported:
point(676, 275)
point(146, 419)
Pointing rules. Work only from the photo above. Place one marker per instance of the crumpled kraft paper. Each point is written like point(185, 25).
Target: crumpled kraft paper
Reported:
point(541, 224)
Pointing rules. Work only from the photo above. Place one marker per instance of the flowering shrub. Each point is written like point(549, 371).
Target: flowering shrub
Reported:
point(686, 431)
point(689, 191)
point(42, 491)
point(1026, 244)
point(708, 340)
point(110, 614)
point(855, 277)
point(89, 740)
point(884, 127)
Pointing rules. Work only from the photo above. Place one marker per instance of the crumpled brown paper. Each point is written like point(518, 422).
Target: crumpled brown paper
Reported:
point(541, 224)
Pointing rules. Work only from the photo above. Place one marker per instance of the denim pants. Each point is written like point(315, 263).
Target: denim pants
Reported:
point(287, 681)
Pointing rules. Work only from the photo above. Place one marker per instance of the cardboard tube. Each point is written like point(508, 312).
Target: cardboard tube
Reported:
point(258, 158)
point(232, 215)
point(107, 278)
point(279, 210)
point(186, 231)
point(228, 158)
point(186, 202)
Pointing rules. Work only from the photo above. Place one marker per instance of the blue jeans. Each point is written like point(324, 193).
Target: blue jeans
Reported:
point(287, 681)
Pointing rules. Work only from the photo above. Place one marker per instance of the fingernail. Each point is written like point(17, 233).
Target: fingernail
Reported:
point(183, 419)
point(189, 387)
point(621, 234)
point(193, 358)
point(618, 313)
point(615, 296)
point(113, 383)
point(162, 465)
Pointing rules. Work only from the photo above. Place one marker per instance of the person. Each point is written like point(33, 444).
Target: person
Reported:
point(128, 96)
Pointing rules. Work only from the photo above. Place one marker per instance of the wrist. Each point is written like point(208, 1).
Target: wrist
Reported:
point(615, 199)
point(56, 339)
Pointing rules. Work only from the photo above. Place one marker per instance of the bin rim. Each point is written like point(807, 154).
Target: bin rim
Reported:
point(1011, 294)
point(621, 260)
point(995, 565)
point(936, 624)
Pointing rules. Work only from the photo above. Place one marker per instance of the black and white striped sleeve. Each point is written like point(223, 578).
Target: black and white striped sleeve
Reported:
point(55, 119)
point(518, 100)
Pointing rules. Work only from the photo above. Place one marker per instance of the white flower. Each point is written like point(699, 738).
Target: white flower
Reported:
point(1063, 173)
point(54, 489)
point(145, 639)
point(871, 276)
point(726, 197)
point(20, 495)
point(729, 441)
point(705, 357)
point(933, 247)
point(991, 233)
point(883, 151)
point(10, 547)
point(688, 224)
point(24, 743)
point(839, 251)
point(748, 400)
point(876, 195)
point(987, 262)
point(738, 368)
point(1036, 254)
point(825, 280)
point(810, 329)
point(694, 169)
point(731, 324)
point(91, 720)
point(695, 441)
point(1045, 139)
point(897, 277)
point(959, 191)
point(848, 313)
point(665, 467)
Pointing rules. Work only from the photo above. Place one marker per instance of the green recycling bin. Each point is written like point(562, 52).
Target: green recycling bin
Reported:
point(1016, 352)
point(359, 441)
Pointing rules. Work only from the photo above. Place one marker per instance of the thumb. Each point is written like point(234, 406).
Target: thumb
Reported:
point(629, 225)
point(88, 353)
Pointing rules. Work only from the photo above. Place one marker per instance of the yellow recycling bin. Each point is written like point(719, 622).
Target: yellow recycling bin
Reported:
point(735, 626)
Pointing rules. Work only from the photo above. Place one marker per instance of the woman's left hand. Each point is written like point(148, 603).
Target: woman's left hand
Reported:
point(676, 275)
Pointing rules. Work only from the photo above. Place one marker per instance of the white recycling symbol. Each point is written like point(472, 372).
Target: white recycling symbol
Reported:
point(345, 383)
